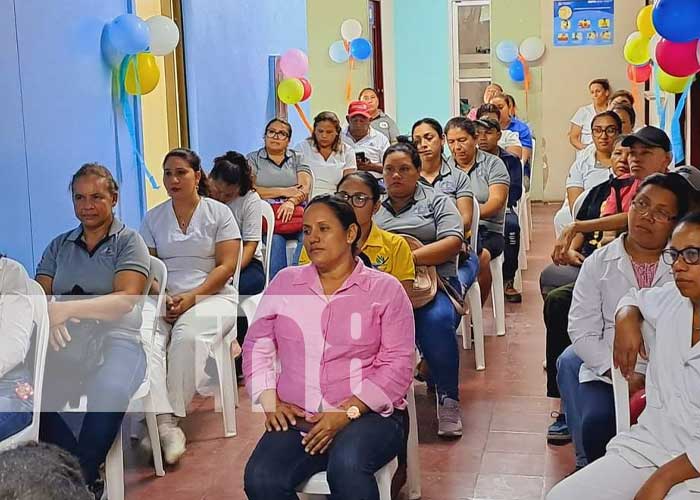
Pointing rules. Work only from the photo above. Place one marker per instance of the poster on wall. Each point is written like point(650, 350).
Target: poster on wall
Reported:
point(580, 23)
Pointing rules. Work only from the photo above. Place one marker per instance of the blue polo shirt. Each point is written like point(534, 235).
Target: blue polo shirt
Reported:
point(523, 131)
point(515, 170)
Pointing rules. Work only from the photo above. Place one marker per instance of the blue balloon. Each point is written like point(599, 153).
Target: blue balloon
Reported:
point(110, 54)
point(516, 70)
point(129, 34)
point(507, 51)
point(337, 52)
point(677, 20)
point(360, 49)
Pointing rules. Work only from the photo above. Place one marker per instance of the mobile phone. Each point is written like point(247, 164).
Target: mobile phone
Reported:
point(360, 157)
point(302, 425)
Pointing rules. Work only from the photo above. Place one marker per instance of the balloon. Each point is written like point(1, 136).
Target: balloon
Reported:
point(678, 59)
point(644, 22)
point(507, 51)
point(637, 49)
point(516, 70)
point(638, 402)
point(652, 47)
point(360, 49)
point(129, 34)
point(307, 89)
point(337, 52)
point(532, 48)
point(677, 20)
point(670, 83)
point(148, 74)
point(639, 74)
point(294, 63)
point(290, 90)
point(164, 35)
point(109, 52)
point(351, 29)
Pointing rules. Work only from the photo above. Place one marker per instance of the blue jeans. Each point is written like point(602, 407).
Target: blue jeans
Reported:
point(108, 389)
point(512, 248)
point(568, 366)
point(279, 463)
point(468, 271)
point(278, 252)
point(252, 279)
point(15, 413)
point(436, 324)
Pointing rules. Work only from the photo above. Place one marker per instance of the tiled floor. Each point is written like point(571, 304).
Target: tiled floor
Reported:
point(503, 454)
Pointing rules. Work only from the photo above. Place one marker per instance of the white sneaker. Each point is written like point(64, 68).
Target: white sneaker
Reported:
point(172, 442)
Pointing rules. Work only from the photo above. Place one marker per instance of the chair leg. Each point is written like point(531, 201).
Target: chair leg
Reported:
point(474, 298)
point(114, 469)
point(499, 307)
point(225, 371)
point(413, 459)
point(154, 435)
point(465, 332)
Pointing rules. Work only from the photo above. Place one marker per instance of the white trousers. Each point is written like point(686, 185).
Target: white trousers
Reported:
point(180, 350)
point(611, 478)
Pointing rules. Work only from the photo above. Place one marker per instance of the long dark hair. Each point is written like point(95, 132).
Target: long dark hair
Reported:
point(368, 180)
point(674, 183)
point(192, 159)
point(343, 211)
point(98, 171)
point(432, 123)
point(407, 147)
point(461, 123)
point(327, 116)
point(233, 168)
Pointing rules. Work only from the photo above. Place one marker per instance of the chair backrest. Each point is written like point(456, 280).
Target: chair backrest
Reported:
point(157, 272)
point(579, 203)
point(476, 215)
point(237, 273)
point(269, 217)
point(41, 322)
point(622, 402)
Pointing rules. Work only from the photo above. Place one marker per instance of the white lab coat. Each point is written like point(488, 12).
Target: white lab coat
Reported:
point(606, 276)
point(16, 315)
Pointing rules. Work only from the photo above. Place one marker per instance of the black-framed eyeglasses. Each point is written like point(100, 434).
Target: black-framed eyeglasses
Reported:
point(644, 208)
point(357, 200)
point(277, 134)
point(609, 131)
point(691, 255)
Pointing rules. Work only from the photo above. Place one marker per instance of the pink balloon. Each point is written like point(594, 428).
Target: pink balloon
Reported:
point(294, 63)
point(678, 59)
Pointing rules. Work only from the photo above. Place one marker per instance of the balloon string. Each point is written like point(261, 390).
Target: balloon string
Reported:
point(348, 82)
point(305, 120)
point(676, 135)
point(526, 70)
point(660, 108)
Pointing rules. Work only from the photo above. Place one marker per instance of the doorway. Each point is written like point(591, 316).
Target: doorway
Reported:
point(375, 27)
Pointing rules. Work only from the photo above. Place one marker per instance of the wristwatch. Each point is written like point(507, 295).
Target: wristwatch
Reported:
point(353, 413)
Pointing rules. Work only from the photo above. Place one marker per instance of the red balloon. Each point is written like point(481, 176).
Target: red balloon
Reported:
point(678, 59)
point(638, 402)
point(307, 88)
point(639, 74)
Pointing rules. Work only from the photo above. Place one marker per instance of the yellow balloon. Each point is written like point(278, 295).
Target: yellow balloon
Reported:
point(637, 49)
point(645, 24)
point(148, 74)
point(290, 90)
point(670, 83)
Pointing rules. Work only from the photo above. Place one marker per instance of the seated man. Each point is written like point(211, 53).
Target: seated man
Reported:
point(659, 457)
point(369, 145)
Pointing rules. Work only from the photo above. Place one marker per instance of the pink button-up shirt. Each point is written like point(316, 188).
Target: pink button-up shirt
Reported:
point(319, 351)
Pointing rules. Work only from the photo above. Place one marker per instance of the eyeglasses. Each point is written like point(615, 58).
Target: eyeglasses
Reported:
point(691, 255)
point(276, 134)
point(357, 200)
point(609, 131)
point(644, 208)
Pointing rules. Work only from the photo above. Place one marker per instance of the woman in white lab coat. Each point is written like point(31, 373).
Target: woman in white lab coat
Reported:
point(660, 456)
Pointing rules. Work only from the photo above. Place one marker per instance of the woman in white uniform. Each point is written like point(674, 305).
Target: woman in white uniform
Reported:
point(198, 240)
point(659, 457)
point(580, 134)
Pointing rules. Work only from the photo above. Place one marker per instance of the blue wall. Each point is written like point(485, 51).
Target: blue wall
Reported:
point(55, 97)
point(423, 61)
point(227, 44)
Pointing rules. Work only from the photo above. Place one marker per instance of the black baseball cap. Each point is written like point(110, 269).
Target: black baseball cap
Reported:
point(488, 123)
point(649, 136)
point(690, 174)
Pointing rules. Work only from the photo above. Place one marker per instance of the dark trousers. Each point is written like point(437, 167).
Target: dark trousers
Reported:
point(556, 320)
point(512, 246)
point(108, 390)
point(279, 463)
point(597, 407)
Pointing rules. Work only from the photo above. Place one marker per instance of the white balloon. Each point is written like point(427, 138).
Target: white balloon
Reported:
point(351, 29)
point(652, 47)
point(532, 48)
point(165, 35)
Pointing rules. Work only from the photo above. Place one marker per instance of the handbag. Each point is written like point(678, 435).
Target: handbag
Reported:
point(425, 284)
point(295, 224)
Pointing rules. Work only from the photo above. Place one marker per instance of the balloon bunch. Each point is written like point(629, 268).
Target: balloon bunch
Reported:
point(666, 43)
point(131, 42)
point(295, 87)
point(517, 57)
point(352, 47)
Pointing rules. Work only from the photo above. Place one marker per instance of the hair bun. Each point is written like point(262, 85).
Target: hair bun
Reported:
point(234, 156)
point(404, 139)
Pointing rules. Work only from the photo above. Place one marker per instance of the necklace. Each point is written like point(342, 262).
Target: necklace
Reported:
point(183, 222)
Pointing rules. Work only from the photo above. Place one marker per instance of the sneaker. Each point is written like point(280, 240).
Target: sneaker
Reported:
point(511, 294)
point(449, 417)
point(558, 432)
point(172, 439)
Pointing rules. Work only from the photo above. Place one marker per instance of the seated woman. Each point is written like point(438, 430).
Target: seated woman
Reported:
point(509, 121)
point(658, 457)
point(436, 171)
point(489, 183)
point(16, 313)
point(509, 140)
point(282, 180)
point(592, 167)
point(621, 96)
point(627, 116)
point(325, 153)
point(420, 211)
point(380, 121)
point(332, 417)
point(198, 240)
point(631, 261)
point(491, 90)
point(580, 134)
point(101, 355)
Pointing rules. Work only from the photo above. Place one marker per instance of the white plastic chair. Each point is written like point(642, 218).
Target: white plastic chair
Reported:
point(474, 302)
point(250, 304)
point(317, 485)
point(41, 323)
point(578, 203)
point(497, 295)
point(622, 402)
point(526, 197)
point(292, 244)
point(413, 458)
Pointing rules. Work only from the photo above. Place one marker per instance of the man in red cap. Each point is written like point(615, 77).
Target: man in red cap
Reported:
point(369, 145)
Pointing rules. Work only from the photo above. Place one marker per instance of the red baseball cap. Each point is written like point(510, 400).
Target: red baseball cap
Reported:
point(358, 108)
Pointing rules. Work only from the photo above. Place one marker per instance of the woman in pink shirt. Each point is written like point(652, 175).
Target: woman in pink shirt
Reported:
point(329, 357)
